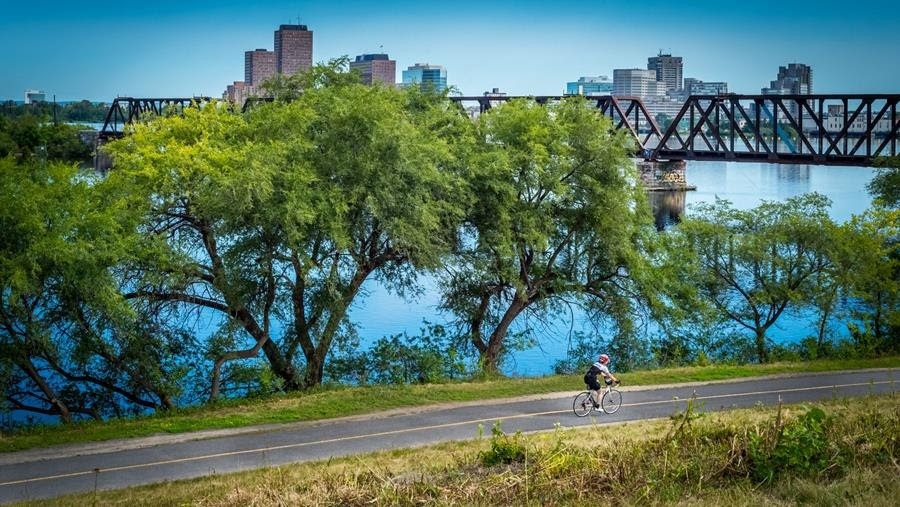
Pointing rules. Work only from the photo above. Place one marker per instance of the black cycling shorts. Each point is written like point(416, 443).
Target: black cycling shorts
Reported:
point(591, 381)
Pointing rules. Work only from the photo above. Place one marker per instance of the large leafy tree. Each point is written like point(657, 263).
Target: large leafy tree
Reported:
point(870, 262)
point(276, 219)
point(869, 273)
point(556, 218)
point(752, 265)
point(70, 344)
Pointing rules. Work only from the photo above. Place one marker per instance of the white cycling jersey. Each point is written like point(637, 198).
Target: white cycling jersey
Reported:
point(598, 368)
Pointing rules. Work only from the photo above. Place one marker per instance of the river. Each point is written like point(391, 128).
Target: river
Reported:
point(744, 184)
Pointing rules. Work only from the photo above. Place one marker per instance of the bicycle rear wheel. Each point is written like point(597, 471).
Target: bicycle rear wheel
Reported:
point(583, 404)
point(611, 401)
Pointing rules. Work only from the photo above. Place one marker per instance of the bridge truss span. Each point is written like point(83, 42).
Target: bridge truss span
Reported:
point(784, 129)
point(625, 112)
point(800, 129)
point(127, 110)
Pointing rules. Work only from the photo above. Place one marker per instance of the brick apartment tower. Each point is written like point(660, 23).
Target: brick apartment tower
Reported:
point(376, 68)
point(293, 49)
point(259, 65)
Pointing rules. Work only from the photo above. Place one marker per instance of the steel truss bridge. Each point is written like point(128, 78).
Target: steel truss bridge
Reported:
point(782, 129)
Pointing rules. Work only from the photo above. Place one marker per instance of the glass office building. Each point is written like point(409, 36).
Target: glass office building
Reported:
point(428, 77)
point(599, 85)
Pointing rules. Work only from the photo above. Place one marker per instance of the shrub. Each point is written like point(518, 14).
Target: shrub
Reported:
point(504, 449)
point(798, 448)
point(401, 359)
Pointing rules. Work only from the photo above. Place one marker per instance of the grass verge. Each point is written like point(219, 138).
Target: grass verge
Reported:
point(330, 402)
point(840, 452)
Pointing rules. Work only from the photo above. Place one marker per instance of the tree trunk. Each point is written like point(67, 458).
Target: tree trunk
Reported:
point(820, 343)
point(762, 352)
point(315, 356)
point(315, 370)
point(490, 357)
point(281, 366)
point(64, 414)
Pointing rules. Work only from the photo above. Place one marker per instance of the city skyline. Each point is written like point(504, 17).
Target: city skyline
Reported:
point(104, 49)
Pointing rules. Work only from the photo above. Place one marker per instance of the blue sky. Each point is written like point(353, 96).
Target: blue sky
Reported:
point(100, 49)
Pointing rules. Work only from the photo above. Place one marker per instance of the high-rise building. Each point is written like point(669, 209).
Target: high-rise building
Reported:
point(35, 96)
point(259, 65)
point(426, 76)
point(376, 68)
point(637, 83)
point(293, 49)
point(795, 79)
point(590, 85)
point(668, 70)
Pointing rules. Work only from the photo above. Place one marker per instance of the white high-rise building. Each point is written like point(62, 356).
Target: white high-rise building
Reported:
point(637, 83)
point(34, 96)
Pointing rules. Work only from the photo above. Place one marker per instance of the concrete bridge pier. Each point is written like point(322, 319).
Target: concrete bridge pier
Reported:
point(102, 161)
point(663, 175)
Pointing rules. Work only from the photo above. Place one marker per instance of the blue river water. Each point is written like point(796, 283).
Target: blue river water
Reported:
point(744, 184)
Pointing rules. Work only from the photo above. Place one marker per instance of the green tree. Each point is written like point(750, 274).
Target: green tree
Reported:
point(25, 133)
point(84, 111)
point(30, 136)
point(276, 219)
point(751, 265)
point(869, 271)
point(7, 144)
point(885, 185)
point(70, 343)
point(556, 217)
point(63, 143)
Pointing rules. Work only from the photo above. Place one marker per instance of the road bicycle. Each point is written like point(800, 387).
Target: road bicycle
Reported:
point(610, 401)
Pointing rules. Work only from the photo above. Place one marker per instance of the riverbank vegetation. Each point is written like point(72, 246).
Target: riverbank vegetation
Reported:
point(221, 255)
point(82, 111)
point(34, 139)
point(832, 453)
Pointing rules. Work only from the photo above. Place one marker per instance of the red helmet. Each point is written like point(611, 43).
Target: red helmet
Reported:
point(604, 359)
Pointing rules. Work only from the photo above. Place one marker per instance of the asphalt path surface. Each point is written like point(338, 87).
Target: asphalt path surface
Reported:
point(48, 473)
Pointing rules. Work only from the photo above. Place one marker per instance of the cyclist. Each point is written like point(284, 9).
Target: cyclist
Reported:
point(590, 378)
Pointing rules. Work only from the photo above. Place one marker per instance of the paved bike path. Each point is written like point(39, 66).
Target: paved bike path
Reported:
point(32, 475)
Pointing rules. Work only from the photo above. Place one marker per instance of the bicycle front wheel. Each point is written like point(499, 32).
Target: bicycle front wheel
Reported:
point(583, 404)
point(611, 401)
